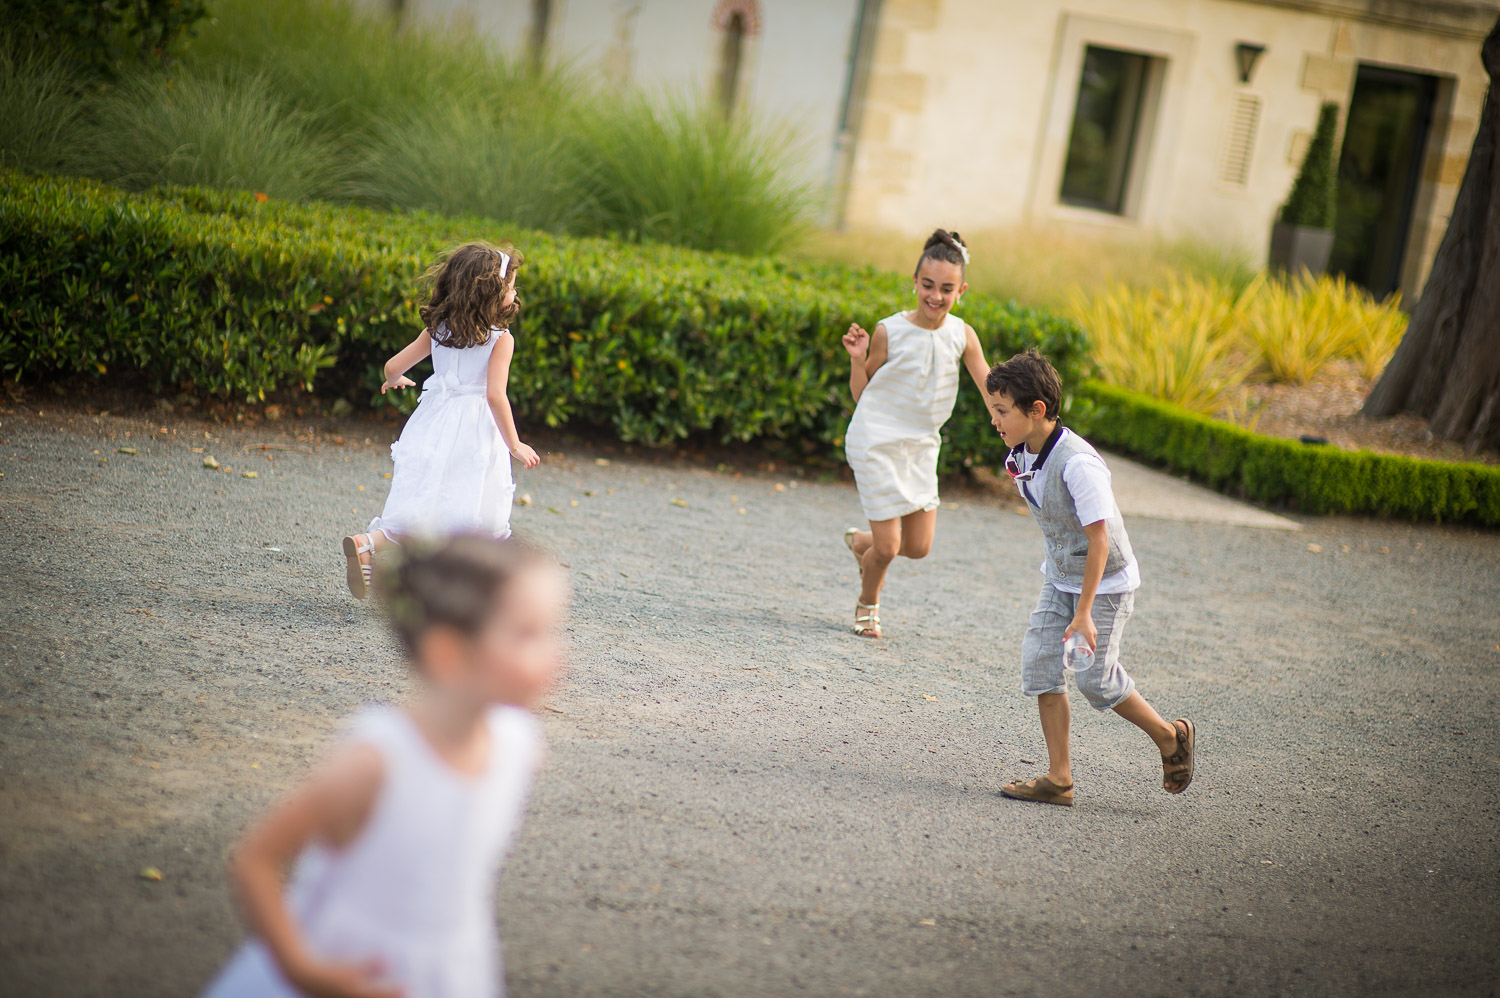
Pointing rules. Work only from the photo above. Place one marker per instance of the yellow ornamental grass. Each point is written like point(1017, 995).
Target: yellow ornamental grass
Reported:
point(1383, 326)
point(1299, 326)
point(1195, 342)
point(1179, 343)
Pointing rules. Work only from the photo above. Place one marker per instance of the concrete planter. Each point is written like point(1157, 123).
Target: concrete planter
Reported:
point(1295, 248)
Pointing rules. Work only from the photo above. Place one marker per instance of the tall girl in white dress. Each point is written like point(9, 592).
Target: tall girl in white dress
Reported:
point(904, 379)
point(452, 461)
point(396, 841)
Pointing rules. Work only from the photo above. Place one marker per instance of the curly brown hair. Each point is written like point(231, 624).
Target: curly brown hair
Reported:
point(467, 292)
point(1027, 378)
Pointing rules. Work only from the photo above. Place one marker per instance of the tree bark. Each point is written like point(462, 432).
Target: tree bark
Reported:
point(1447, 367)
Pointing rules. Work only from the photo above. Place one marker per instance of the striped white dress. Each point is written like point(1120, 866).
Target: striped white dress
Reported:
point(893, 439)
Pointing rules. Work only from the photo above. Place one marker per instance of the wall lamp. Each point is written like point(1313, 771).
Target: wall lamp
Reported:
point(1245, 55)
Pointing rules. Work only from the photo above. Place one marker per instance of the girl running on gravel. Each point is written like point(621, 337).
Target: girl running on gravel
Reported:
point(453, 457)
point(395, 842)
point(904, 379)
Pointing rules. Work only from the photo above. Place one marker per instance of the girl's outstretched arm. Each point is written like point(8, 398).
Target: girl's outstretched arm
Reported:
point(331, 808)
point(974, 361)
point(413, 353)
point(866, 354)
point(498, 379)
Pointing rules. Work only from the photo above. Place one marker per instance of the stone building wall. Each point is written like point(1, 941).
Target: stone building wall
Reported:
point(967, 115)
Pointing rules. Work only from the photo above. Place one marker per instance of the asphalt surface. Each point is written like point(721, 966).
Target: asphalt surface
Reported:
point(742, 798)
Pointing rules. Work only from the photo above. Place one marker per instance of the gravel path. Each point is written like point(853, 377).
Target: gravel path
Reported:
point(742, 798)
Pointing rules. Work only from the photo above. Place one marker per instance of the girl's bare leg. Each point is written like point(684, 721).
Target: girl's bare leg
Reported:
point(381, 542)
point(910, 536)
point(876, 555)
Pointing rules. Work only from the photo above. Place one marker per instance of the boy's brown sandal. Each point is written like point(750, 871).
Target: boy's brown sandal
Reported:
point(1041, 790)
point(1177, 768)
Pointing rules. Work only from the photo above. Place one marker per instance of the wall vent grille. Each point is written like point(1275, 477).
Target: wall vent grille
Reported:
point(1244, 120)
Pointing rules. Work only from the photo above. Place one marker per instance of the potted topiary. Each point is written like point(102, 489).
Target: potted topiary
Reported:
point(1302, 237)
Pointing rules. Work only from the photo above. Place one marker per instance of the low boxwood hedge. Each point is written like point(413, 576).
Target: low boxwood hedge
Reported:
point(240, 296)
point(1318, 479)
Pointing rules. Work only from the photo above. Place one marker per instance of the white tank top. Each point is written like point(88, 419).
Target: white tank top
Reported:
point(416, 888)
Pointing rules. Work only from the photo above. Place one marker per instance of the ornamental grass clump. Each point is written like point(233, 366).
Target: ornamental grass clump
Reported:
point(201, 128)
point(1296, 333)
point(428, 116)
point(1195, 342)
point(459, 156)
point(681, 172)
point(40, 111)
point(1180, 343)
point(1299, 325)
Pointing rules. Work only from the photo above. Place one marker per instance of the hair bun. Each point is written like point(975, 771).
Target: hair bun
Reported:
point(946, 246)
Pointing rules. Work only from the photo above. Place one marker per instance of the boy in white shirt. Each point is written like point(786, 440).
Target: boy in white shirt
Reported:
point(1091, 577)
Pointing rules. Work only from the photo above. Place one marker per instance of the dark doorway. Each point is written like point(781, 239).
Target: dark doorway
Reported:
point(1385, 141)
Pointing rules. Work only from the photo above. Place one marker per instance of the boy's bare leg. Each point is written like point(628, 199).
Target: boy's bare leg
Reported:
point(1056, 718)
point(1138, 712)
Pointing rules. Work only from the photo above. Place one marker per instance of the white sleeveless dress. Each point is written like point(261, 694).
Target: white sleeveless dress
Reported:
point(415, 890)
point(452, 469)
point(893, 439)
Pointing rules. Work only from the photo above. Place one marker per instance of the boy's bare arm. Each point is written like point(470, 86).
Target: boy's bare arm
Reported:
point(1093, 574)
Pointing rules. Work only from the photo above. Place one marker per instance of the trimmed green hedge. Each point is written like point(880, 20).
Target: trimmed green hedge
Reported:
point(239, 297)
point(1318, 479)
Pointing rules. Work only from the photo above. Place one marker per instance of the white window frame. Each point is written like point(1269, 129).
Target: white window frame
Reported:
point(1163, 108)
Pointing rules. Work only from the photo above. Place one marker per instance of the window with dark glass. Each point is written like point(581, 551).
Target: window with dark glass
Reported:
point(1106, 123)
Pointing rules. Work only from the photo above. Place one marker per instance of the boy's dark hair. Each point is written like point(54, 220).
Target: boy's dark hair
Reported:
point(1028, 379)
point(467, 290)
point(943, 245)
point(449, 582)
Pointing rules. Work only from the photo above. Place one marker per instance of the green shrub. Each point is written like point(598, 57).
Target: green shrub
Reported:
point(1274, 470)
point(239, 297)
point(1315, 191)
point(100, 36)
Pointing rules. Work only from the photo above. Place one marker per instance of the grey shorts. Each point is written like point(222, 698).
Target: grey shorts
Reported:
point(1104, 684)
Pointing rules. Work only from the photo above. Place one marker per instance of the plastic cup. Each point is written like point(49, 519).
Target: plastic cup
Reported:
point(1077, 655)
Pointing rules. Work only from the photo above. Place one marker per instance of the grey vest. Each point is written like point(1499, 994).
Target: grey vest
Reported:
point(1062, 532)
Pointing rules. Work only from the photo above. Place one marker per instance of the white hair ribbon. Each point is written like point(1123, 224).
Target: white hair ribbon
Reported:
point(505, 262)
point(960, 246)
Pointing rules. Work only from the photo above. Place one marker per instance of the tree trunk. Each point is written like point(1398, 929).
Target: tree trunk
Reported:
point(1447, 367)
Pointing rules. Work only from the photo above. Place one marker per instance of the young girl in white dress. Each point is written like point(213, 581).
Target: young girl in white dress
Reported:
point(452, 460)
point(396, 841)
point(904, 379)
